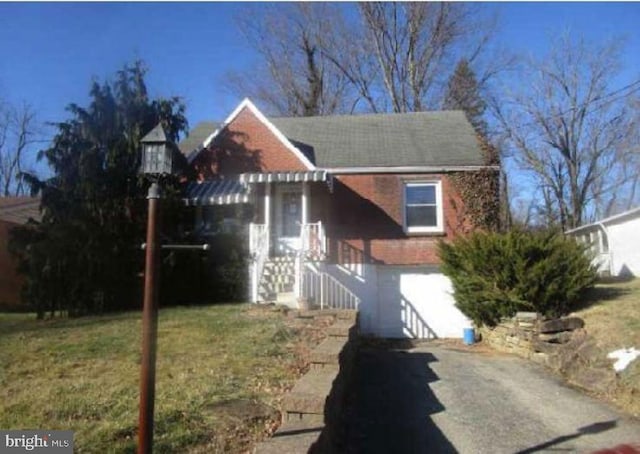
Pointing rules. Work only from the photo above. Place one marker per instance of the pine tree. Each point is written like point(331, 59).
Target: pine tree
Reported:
point(82, 258)
point(463, 93)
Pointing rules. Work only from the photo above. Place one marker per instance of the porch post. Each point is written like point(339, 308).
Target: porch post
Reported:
point(267, 212)
point(305, 203)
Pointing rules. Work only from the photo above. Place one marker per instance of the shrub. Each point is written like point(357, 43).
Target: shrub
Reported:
point(495, 275)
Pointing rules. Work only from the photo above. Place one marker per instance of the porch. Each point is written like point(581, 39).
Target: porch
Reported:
point(285, 232)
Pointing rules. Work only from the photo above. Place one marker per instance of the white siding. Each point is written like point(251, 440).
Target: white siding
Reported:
point(361, 280)
point(624, 246)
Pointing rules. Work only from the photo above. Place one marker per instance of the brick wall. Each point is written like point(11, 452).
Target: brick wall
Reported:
point(245, 145)
point(364, 214)
point(10, 280)
point(366, 220)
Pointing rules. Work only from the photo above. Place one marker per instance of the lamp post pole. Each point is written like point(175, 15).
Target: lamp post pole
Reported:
point(149, 328)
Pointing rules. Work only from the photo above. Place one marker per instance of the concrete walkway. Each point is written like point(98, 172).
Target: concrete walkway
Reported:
point(435, 399)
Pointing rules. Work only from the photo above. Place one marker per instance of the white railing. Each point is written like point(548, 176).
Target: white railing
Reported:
point(259, 249)
point(314, 241)
point(602, 262)
point(326, 291)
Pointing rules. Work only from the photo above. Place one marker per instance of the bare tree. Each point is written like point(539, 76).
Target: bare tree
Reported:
point(568, 127)
point(295, 77)
point(323, 58)
point(17, 131)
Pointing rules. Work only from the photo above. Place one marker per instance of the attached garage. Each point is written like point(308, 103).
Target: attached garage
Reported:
point(416, 302)
point(403, 301)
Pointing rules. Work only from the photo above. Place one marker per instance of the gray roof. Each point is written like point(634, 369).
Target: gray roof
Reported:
point(193, 142)
point(436, 138)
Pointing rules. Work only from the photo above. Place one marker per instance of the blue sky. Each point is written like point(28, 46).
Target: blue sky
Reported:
point(50, 51)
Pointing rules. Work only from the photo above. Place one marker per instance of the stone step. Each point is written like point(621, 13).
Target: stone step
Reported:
point(295, 436)
point(340, 328)
point(347, 314)
point(328, 352)
point(307, 398)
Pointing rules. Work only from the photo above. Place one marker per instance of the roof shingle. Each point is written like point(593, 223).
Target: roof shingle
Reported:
point(435, 138)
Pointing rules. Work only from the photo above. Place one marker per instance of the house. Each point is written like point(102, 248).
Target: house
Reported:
point(14, 211)
point(342, 211)
point(614, 243)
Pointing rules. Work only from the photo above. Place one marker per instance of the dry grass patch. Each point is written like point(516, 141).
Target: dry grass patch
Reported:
point(612, 317)
point(221, 371)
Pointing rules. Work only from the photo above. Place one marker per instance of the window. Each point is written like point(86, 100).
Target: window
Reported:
point(423, 207)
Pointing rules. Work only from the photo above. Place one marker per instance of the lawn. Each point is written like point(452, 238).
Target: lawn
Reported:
point(220, 372)
point(612, 317)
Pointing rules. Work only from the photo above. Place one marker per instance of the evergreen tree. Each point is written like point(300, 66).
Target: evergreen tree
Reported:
point(84, 256)
point(463, 93)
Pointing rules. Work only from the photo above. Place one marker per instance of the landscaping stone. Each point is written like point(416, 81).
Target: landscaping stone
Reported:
point(593, 379)
point(340, 328)
point(328, 352)
point(556, 338)
point(291, 437)
point(561, 324)
point(314, 413)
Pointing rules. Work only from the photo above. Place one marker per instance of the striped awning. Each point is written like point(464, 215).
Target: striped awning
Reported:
point(285, 177)
point(216, 192)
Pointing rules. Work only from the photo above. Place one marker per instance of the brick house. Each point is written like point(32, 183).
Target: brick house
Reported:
point(14, 211)
point(343, 211)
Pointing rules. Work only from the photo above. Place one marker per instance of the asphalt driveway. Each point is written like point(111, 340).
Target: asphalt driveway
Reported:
point(435, 399)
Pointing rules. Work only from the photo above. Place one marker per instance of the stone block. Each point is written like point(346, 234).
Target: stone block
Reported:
point(561, 337)
point(545, 347)
point(561, 324)
point(527, 316)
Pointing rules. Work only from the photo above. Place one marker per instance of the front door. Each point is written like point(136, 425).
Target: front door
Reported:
point(288, 218)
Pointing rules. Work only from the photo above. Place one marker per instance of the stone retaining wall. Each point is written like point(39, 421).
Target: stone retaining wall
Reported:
point(562, 344)
point(335, 417)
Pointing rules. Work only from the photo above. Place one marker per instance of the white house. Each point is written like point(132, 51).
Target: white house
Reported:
point(615, 243)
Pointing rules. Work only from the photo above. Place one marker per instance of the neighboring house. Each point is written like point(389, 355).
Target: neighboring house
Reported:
point(14, 211)
point(614, 242)
point(343, 211)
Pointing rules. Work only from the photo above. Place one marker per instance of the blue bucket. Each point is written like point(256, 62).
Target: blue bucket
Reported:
point(469, 336)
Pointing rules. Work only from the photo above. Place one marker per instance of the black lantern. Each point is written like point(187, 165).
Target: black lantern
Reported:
point(157, 153)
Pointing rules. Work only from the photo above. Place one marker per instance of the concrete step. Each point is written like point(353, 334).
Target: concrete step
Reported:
point(328, 352)
point(280, 260)
point(286, 297)
point(278, 270)
point(295, 436)
point(276, 287)
point(307, 398)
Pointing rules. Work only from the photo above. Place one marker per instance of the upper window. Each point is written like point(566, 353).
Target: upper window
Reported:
point(423, 207)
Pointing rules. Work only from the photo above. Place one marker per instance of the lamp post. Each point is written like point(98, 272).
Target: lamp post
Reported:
point(157, 160)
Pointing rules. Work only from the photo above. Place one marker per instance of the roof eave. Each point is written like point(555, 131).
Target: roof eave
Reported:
point(410, 169)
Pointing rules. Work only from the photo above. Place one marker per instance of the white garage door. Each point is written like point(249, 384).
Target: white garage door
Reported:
point(417, 303)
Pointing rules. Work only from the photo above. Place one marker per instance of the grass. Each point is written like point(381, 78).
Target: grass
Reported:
point(613, 314)
point(612, 317)
point(83, 375)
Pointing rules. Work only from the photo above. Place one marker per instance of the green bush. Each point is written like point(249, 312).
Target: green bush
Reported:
point(495, 275)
